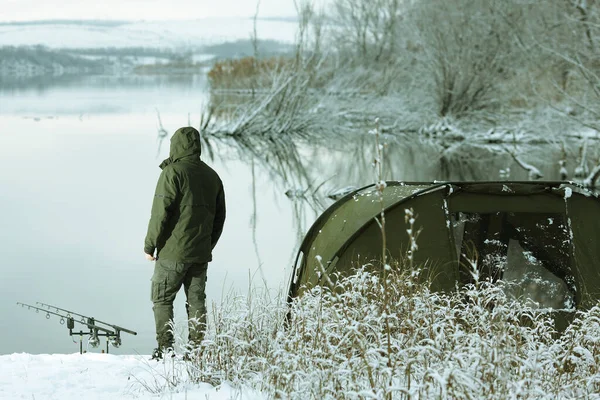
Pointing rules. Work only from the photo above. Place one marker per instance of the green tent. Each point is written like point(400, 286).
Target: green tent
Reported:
point(541, 236)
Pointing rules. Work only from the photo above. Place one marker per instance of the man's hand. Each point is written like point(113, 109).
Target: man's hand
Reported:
point(150, 257)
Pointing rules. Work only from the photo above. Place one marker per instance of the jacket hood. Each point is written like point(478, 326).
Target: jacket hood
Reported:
point(184, 142)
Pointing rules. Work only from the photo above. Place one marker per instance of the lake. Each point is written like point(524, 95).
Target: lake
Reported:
point(78, 167)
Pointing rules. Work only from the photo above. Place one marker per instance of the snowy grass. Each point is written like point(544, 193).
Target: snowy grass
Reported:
point(341, 343)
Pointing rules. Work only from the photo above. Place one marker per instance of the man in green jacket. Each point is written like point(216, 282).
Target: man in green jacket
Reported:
point(188, 213)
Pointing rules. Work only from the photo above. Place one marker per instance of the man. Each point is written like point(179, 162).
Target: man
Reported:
point(188, 213)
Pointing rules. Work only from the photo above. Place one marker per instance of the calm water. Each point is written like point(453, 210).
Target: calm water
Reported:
point(78, 166)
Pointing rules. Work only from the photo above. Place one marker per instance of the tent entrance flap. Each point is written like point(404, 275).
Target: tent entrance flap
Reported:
point(584, 221)
point(530, 252)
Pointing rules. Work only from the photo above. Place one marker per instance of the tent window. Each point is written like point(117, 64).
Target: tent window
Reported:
point(529, 252)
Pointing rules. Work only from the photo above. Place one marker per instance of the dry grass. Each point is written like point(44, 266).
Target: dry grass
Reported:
point(342, 343)
point(246, 72)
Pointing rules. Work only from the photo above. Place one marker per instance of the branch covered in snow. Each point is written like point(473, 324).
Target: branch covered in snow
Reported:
point(533, 172)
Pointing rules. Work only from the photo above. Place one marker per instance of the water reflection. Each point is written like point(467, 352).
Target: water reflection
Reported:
point(84, 96)
point(76, 195)
point(308, 171)
point(340, 162)
point(44, 83)
point(76, 211)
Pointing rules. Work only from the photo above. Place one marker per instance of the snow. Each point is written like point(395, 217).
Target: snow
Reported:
point(96, 377)
point(149, 34)
point(381, 185)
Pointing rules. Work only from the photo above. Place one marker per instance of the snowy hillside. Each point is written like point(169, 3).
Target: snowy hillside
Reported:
point(95, 377)
point(156, 34)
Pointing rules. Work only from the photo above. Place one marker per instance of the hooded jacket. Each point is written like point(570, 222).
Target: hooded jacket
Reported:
point(188, 210)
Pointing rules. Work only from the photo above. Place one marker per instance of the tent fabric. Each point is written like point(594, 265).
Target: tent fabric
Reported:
point(345, 217)
point(545, 233)
point(366, 244)
point(584, 222)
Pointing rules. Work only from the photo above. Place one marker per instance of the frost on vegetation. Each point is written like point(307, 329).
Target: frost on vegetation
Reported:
point(447, 213)
point(504, 174)
point(381, 185)
point(370, 338)
point(568, 193)
point(445, 127)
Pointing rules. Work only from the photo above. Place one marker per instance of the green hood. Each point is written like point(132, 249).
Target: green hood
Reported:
point(184, 142)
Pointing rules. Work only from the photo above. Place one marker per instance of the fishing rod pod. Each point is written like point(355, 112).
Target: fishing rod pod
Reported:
point(96, 328)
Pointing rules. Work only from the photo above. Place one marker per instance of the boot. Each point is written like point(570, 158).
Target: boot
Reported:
point(157, 354)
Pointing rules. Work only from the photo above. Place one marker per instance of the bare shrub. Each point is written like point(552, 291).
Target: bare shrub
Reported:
point(549, 39)
point(371, 46)
point(576, 54)
point(468, 48)
point(244, 72)
point(366, 31)
point(280, 99)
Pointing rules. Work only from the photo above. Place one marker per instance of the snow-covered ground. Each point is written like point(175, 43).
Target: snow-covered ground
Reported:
point(154, 34)
point(95, 377)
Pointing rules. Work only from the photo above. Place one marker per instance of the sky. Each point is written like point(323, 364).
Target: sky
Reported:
point(27, 10)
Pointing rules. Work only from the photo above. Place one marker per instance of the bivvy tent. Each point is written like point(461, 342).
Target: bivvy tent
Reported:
point(541, 236)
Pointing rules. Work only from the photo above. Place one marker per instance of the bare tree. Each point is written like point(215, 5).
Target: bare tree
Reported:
point(587, 10)
point(367, 30)
point(468, 50)
point(570, 50)
point(282, 103)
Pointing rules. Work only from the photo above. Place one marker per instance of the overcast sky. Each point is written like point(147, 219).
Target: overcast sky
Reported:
point(25, 10)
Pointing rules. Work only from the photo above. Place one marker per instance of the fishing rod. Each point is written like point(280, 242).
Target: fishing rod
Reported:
point(116, 327)
point(110, 331)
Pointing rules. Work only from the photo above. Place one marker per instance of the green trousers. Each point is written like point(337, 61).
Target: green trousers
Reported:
point(168, 278)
